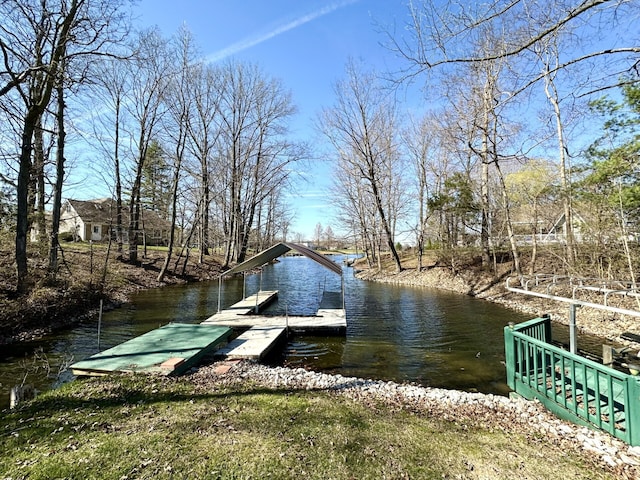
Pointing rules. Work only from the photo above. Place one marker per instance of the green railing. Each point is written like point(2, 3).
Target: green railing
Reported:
point(573, 387)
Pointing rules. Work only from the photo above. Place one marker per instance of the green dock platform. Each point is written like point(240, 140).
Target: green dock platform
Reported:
point(168, 350)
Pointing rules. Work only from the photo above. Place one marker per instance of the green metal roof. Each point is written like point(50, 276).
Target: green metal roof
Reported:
point(280, 249)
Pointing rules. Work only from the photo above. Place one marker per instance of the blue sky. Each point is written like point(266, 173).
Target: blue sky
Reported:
point(305, 43)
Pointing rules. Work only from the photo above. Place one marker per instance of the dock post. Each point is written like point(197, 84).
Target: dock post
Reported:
point(219, 291)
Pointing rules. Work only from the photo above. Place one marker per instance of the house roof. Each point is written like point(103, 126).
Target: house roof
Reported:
point(280, 249)
point(103, 211)
point(94, 211)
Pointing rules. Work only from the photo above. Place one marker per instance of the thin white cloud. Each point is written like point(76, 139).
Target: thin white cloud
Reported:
point(263, 37)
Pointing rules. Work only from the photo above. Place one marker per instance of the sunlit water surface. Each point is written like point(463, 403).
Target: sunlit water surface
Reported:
point(399, 333)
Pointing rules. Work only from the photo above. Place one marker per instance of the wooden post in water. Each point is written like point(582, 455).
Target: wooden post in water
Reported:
point(607, 355)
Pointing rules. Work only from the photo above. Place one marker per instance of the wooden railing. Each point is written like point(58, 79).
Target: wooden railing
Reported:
point(573, 387)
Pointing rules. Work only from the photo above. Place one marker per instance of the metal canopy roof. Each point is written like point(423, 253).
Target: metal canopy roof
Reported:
point(280, 249)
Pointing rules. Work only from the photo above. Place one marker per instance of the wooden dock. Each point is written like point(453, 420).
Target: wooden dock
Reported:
point(253, 344)
point(252, 304)
point(174, 348)
point(264, 330)
point(327, 320)
point(168, 350)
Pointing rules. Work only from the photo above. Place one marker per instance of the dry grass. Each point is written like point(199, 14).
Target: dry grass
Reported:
point(133, 427)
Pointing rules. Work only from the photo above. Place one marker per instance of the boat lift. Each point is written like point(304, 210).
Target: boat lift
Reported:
point(266, 256)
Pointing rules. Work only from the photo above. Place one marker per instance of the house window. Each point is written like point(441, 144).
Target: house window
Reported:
point(96, 229)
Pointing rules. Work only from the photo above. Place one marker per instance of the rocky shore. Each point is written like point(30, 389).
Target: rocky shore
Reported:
point(477, 410)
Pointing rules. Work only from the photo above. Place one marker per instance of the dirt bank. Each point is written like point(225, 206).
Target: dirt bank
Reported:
point(81, 283)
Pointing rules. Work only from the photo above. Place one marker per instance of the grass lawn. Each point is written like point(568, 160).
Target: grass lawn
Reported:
point(150, 427)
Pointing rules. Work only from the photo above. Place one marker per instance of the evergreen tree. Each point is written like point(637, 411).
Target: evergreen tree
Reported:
point(615, 156)
point(155, 192)
point(8, 208)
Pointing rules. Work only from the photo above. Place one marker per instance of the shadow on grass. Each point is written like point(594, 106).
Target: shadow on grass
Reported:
point(120, 395)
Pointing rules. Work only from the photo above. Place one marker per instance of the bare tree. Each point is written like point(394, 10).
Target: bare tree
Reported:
point(179, 105)
point(36, 39)
point(150, 69)
point(111, 87)
point(362, 123)
point(60, 162)
point(203, 131)
point(440, 33)
point(256, 156)
point(318, 231)
point(419, 139)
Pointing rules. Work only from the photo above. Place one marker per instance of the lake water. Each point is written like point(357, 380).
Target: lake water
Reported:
point(398, 333)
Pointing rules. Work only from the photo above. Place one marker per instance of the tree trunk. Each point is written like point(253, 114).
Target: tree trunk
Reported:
point(22, 220)
point(385, 226)
point(116, 157)
point(552, 96)
point(510, 232)
point(174, 208)
point(57, 189)
point(39, 193)
point(534, 248)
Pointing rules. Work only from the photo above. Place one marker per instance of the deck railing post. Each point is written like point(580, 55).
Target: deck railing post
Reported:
point(632, 410)
point(573, 337)
point(510, 356)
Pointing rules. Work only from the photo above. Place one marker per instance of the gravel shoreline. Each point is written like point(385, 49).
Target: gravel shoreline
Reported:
point(488, 411)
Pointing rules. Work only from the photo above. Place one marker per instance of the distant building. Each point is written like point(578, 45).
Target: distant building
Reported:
point(95, 220)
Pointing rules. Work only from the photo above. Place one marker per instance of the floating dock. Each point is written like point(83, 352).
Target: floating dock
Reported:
point(174, 348)
point(168, 350)
point(251, 304)
point(329, 318)
point(253, 344)
point(265, 330)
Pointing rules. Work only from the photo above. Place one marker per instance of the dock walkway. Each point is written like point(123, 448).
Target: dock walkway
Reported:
point(174, 348)
point(264, 330)
point(253, 344)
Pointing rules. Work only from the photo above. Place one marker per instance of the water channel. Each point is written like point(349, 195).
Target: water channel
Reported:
point(398, 333)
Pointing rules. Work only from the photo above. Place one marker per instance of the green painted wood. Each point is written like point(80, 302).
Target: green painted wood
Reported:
point(148, 352)
point(633, 417)
point(571, 386)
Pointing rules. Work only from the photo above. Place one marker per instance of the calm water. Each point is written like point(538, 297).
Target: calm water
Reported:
point(394, 332)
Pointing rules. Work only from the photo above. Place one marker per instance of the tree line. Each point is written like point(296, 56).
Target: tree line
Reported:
point(203, 145)
point(529, 137)
point(531, 119)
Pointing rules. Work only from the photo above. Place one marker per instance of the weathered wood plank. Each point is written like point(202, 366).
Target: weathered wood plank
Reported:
point(325, 320)
point(253, 344)
point(247, 305)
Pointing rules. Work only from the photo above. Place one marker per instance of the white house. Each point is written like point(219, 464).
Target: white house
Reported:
point(94, 219)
